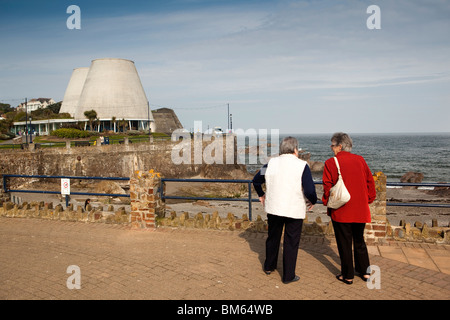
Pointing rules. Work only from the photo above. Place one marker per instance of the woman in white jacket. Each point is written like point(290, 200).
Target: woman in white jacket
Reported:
point(289, 185)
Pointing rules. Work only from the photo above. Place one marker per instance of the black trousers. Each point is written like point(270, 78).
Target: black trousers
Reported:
point(291, 241)
point(346, 233)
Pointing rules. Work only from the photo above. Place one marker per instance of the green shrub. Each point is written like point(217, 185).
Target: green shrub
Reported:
point(134, 132)
point(70, 133)
point(6, 136)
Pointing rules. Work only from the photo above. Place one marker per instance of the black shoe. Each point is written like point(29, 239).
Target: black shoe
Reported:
point(296, 278)
point(341, 278)
point(267, 271)
point(363, 277)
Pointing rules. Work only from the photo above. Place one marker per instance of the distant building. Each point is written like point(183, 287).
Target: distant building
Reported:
point(112, 88)
point(34, 104)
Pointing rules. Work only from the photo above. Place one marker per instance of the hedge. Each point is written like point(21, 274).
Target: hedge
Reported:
point(70, 133)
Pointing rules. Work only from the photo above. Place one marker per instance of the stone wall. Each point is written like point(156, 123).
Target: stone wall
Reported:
point(118, 160)
point(47, 211)
point(419, 232)
point(212, 221)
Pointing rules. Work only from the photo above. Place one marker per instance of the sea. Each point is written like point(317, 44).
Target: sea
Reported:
point(394, 154)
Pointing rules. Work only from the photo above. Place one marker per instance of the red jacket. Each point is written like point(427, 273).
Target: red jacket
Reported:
point(359, 182)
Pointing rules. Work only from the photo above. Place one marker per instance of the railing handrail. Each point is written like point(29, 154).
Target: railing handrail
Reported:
point(64, 177)
point(423, 184)
point(5, 187)
point(207, 180)
point(61, 144)
point(403, 184)
point(248, 199)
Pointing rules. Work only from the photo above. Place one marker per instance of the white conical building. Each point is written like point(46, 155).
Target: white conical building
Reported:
point(113, 89)
point(73, 91)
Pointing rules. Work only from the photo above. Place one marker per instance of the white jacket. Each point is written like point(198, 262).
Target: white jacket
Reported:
point(284, 192)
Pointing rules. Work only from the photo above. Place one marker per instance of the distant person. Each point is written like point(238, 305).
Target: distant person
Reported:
point(86, 203)
point(350, 220)
point(289, 185)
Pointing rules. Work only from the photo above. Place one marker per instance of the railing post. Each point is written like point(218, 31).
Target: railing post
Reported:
point(376, 230)
point(4, 195)
point(5, 177)
point(145, 202)
point(161, 190)
point(250, 201)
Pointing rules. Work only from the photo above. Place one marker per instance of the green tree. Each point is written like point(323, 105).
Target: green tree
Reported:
point(91, 115)
point(113, 121)
point(124, 124)
point(4, 108)
point(55, 107)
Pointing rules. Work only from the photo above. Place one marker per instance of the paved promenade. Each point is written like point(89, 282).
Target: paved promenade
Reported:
point(116, 262)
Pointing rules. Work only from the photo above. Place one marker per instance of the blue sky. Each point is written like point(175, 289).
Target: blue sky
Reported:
point(296, 66)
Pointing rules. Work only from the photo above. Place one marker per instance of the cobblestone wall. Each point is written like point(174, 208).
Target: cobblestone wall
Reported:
point(102, 214)
point(116, 160)
point(148, 211)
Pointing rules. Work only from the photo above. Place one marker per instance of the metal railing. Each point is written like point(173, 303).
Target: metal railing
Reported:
point(7, 189)
point(74, 143)
point(406, 204)
point(249, 199)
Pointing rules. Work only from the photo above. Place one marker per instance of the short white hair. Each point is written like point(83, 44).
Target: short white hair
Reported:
point(288, 145)
point(343, 139)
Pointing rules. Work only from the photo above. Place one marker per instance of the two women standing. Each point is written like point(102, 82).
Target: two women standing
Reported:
point(289, 185)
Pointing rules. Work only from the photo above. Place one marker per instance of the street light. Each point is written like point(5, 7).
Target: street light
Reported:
point(228, 129)
point(26, 122)
point(231, 123)
point(148, 118)
point(31, 134)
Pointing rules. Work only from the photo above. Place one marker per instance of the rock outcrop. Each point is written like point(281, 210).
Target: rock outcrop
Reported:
point(412, 177)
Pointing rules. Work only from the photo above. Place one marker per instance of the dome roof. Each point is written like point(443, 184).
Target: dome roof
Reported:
point(112, 88)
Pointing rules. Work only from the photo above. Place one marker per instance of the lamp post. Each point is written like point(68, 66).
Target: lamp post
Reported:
point(148, 117)
point(26, 121)
point(31, 134)
point(228, 128)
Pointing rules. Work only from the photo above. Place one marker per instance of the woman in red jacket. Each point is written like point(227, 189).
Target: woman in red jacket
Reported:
point(350, 220)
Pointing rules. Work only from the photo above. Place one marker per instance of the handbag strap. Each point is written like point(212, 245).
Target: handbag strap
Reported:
point(337, 165)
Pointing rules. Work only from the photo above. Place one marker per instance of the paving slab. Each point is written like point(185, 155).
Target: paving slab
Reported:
point(393, 253)
point(116, 262)
point(441, 258)
point(419, 257)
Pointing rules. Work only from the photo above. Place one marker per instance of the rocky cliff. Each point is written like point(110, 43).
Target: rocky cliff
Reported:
point(166, 120)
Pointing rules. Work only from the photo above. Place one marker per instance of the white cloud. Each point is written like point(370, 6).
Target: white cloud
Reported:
point(315, 54)
point(290, 50)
